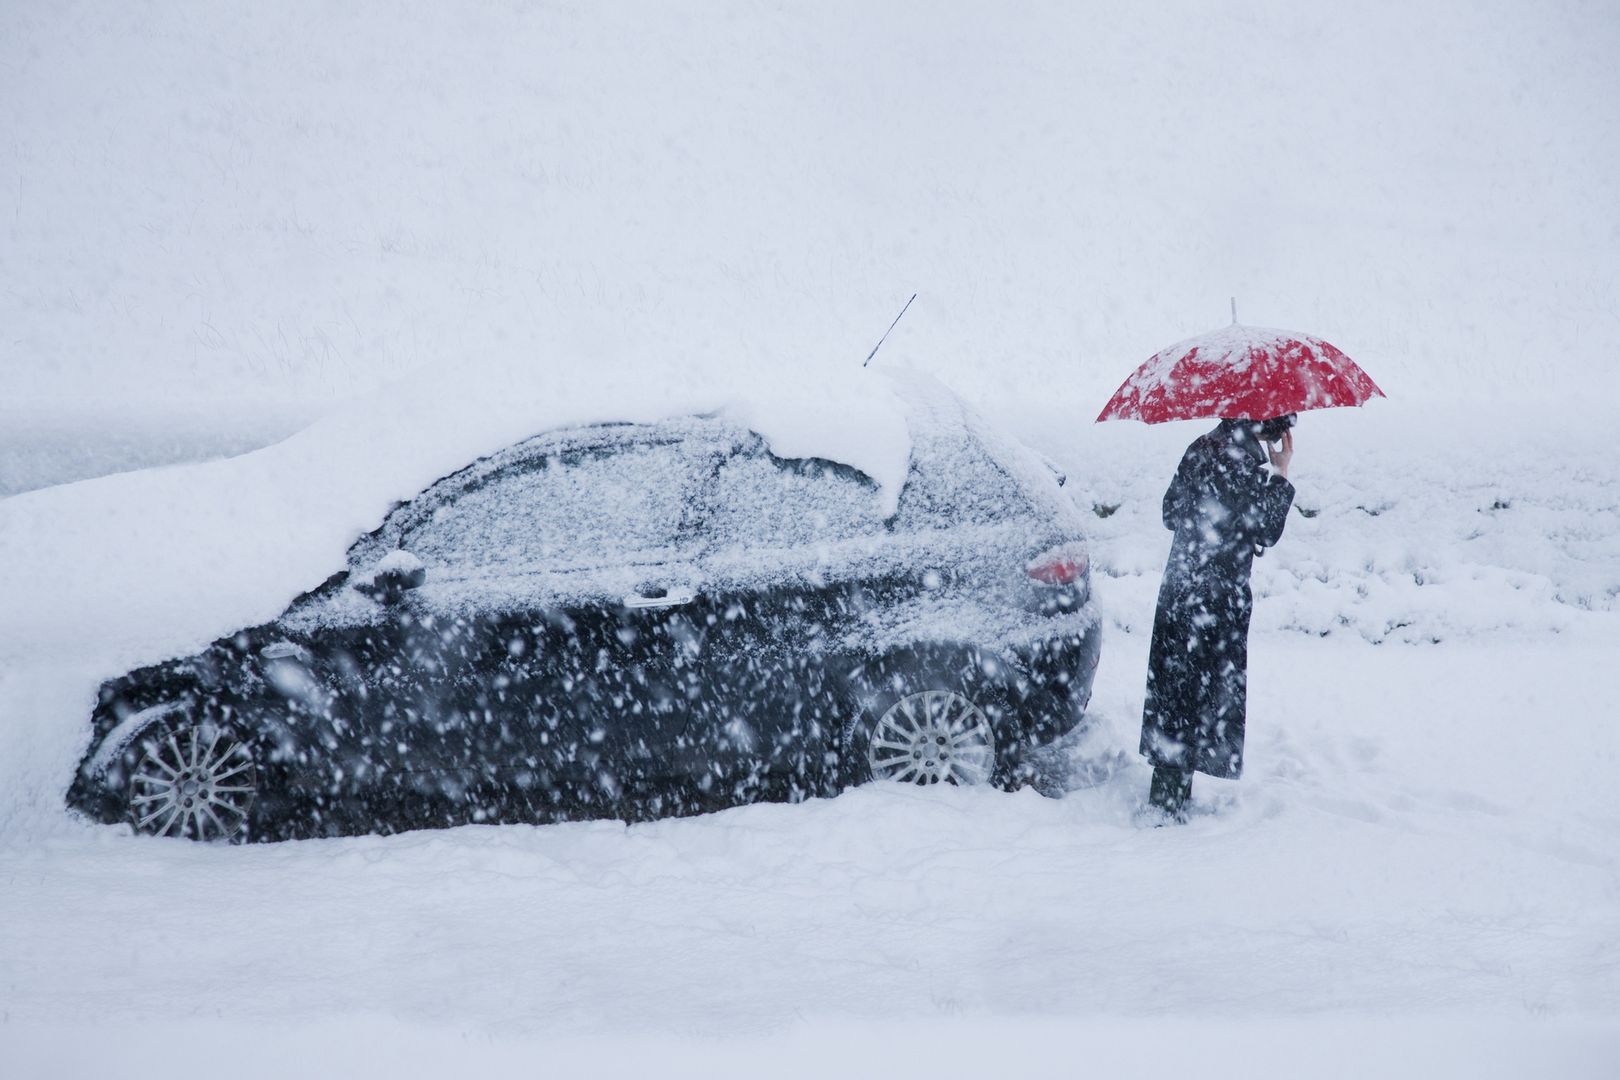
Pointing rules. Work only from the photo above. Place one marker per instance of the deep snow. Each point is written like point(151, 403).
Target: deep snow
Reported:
point(435, 231)
point(1423, 854)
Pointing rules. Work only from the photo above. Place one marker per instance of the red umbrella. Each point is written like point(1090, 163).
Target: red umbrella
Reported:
point(1240, 371)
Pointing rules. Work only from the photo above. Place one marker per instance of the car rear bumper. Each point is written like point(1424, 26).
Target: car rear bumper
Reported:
point(1058, 668)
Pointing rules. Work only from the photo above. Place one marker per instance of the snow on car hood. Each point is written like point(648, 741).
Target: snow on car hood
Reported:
point(134, 567)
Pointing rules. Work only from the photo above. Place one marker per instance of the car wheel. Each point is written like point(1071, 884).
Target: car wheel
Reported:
point(924, 737)
point(197, 782)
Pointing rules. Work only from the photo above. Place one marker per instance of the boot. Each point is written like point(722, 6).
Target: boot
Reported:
point(1171, 789)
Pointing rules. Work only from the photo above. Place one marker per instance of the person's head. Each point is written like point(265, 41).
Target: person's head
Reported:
point(1268, 430)
point(1276, 427)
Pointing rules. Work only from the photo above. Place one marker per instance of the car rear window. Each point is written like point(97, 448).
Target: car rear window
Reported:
point(953, 481)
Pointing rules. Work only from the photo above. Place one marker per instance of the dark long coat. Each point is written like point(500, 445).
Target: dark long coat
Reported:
point(1225, 508)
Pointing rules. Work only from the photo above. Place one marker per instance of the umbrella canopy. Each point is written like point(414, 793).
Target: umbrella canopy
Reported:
point(1240, 371)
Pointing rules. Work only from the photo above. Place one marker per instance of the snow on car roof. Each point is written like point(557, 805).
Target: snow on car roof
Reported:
point(184, 554)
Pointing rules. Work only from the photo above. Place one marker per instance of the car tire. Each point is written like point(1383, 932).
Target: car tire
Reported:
point(192, 780)
point(923, 719)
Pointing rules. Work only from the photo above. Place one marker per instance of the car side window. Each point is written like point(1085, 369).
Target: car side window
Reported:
point(570, 509)
point(759, 500)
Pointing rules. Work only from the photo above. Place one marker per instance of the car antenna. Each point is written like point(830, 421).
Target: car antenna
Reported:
point(886, 333)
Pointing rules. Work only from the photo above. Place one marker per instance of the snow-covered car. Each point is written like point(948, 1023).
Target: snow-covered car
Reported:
point(631, 620)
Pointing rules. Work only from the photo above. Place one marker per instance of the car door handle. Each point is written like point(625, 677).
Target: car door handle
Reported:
point(660, 598)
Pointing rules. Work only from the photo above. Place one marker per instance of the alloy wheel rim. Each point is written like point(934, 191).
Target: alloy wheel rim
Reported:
point(193, 783)
point(932, 737)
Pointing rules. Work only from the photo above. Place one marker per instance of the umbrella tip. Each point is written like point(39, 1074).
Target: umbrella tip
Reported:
point(1234, 311)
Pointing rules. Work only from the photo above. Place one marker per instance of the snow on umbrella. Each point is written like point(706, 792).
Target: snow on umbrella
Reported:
point(1240, 371)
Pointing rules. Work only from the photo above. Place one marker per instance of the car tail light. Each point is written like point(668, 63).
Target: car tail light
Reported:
point(1065, 564)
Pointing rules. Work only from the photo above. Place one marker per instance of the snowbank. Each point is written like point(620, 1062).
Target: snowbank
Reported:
point(1412, 524)
point(1122, 1048)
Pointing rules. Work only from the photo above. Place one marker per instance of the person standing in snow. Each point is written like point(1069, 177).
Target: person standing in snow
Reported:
point(1225, 506)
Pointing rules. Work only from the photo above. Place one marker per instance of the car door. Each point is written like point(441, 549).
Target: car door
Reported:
point(415, 754)
point(787, 542)
point(578, 563)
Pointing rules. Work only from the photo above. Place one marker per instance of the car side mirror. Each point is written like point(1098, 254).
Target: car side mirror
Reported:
point(1051, 466)
point(395, 574)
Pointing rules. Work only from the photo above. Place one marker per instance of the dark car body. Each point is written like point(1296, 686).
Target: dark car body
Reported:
point(633, 620)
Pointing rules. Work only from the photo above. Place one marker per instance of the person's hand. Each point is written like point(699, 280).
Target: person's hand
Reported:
point(1281, 455)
